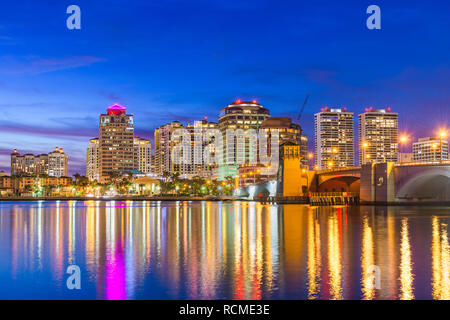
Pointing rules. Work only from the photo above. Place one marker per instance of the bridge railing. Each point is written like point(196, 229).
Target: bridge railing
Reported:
point(423, 163)
point(338, 170)
point(333, 194)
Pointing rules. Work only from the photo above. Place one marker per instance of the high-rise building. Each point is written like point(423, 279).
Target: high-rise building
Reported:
point(430, 149)
point(93, 160)
point(116, 143)
point(378, 136)
point(53, 164)
point(58, 163)
point(238, 115)
point(165, 144)
point(143, 155)
point(334, 138)
point(163, 147)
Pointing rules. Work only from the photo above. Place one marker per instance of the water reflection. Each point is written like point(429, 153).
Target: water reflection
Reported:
point(406, 274)
point(440, 260)
point(213, 250)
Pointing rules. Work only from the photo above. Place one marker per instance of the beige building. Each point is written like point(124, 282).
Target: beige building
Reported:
point(93, 160)
point(406, 157)
point(165, 144)
point(288, 131)
point(54, 164)
point(58, 163)
point(334, 138)
point(117, 150)
point(116, 143)
point(378, 136)
point(143, 155)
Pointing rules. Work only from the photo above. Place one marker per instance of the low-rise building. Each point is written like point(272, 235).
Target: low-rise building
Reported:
point(430, 149)
point(6, 185)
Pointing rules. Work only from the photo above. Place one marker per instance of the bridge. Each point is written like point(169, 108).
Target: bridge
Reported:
point(387, 183)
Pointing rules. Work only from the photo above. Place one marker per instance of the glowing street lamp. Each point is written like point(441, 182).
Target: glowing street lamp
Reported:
point(403, 140)
point(365, 145)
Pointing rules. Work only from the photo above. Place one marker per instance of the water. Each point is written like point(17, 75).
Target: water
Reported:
point(229, 250)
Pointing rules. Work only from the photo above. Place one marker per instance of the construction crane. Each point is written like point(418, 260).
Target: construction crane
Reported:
point(303, 107)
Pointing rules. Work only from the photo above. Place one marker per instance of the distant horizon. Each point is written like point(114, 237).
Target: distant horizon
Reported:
point(176, 61)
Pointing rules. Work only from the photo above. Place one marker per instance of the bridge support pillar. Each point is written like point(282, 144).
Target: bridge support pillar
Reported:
point(377, 183)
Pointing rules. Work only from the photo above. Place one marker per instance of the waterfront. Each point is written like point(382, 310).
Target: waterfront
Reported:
point(222, 250)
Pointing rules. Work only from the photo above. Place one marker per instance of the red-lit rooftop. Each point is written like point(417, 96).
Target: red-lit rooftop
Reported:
point(116, 109)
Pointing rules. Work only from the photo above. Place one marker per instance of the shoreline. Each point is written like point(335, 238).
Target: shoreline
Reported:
point(215, 199)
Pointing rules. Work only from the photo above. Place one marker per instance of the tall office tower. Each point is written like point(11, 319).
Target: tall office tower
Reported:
point(143, 155)
point(58, 163)
point(334, 138)
point(238, 115)
point(116, 143)
point(93, 160)
point(378, 134)
point(165, 144)
point(430, 149)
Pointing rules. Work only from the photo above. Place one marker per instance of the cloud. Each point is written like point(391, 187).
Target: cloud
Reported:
point(12, 127)
point(5, 152)
point(36, 65)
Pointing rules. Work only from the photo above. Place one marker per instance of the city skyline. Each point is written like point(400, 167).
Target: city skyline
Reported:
point(65, 78)
point(402, 138)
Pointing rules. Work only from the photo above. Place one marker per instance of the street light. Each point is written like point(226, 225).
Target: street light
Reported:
point(403, 140)
point(365, 145)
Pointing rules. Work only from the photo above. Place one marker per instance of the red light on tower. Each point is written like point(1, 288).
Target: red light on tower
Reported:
point(238, 101)
point(116, 109)
point(255, 102)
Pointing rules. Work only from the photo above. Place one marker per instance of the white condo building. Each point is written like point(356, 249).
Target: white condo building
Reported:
point(430, 149)
point(334, 138)
point(378, 136)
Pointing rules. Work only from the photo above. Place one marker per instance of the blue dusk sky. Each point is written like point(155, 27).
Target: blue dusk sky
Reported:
point(171, 60)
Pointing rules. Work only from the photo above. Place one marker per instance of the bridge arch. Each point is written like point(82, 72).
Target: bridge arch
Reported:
point(431, 184)
point(340, 184)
